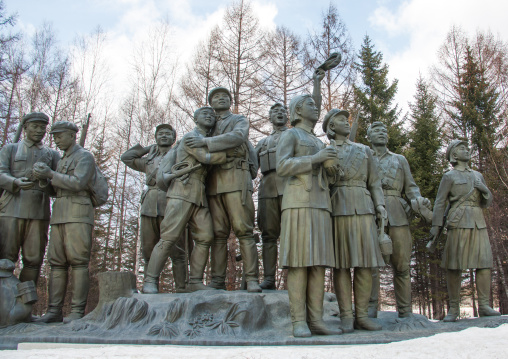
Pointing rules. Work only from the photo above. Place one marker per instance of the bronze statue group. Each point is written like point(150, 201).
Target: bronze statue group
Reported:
point(330, 206)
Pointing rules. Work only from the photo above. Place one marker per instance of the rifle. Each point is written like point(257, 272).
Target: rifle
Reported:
point(354, 127)
point(435, 240)
point(18, 131)
point(180, 169)
point(84, 131)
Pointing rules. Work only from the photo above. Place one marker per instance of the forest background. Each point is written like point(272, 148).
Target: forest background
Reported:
point(463, 94)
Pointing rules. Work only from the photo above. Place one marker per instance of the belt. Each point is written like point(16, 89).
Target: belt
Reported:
point(351, 183)
point(67, 193)
point(392, 192)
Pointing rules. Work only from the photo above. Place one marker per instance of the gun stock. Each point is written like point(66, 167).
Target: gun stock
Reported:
point(354, 127)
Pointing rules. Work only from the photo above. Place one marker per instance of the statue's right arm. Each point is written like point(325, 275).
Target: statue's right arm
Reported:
point(287, 164)
point(6, 178)
point(258, 148)
point(165, 165)
point(441, 199)
point(237, 137)
point(133, 157)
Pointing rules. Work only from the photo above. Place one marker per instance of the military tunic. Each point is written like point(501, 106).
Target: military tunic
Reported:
point(306, 230)
point(354, 197)
point(467, 245)
point(72, 218)
point(24, 214)
point(229, 191)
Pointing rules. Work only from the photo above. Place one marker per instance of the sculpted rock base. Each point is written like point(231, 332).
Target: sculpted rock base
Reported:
point(213, 318)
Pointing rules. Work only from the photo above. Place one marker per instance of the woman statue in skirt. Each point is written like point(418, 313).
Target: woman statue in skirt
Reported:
point(357, 197)
point(306, 244)
point(467, 245)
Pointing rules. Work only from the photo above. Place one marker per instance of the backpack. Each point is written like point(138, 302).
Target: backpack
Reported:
point(98, 188)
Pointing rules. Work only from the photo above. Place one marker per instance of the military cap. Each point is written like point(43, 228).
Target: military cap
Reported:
point(6, 268)
point(332, 113)
point(164, 125)
point(62, 126)
point(35, 116)
point(451, 147)
point(218, 89)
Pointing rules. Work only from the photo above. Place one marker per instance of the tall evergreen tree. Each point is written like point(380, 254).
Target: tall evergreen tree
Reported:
point(427, 166)
point(478, 109)
point(374, 97)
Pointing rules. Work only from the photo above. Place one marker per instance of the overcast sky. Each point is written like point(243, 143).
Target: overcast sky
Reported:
point(408, 33)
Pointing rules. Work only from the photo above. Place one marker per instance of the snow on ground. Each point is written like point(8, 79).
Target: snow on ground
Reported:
point(472, 343)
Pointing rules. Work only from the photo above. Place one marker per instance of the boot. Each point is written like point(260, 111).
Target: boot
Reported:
point(301, 330)
point(374, 294)
point(180, 276)
point(483, 281)
point(218, 263)
point(80, 281)
point(315, 297)
point(57, 287)
point(362, 288)
point(343, 291)
point(198, 260)
point(269, 265)
point(249, 253)
point(155, 266)
point(29, 273)
point(453, 282)
point(297, 293)
point(253, 287)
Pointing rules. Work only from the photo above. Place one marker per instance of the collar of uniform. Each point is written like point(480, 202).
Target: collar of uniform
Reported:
point(201, 131)
point(304, 127)
point(467, 169)
point(30, 143)
point(280, 129)
point(388, 152)
point(219, 118)
point(71, 150)
point(344, 141)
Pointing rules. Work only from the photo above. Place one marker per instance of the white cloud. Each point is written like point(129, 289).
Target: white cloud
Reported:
point(426, 23)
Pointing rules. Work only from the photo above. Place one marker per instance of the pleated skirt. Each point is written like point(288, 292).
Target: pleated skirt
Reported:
point(467, 248)
point(306, 238)
point(356, 242)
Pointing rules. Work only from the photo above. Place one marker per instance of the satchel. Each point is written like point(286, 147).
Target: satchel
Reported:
point(98, 188)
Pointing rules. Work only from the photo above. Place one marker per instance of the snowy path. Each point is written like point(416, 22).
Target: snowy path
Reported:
point(474, 343)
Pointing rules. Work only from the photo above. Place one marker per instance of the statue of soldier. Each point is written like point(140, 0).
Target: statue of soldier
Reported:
point(270, 193)
point(153, 201)
point(184, 170)
point(72, 221)
point(467, 244)
point(229, 189)
point(396, 180)
point(357, 197)
point(24, 204)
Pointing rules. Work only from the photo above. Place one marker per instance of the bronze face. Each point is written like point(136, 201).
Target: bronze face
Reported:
point(278, 116)
point(206, 118)
point(340, 125)
point(220, 101)
point(378, 136)
point(165, 137)
point(65, 139)
point(35, 131)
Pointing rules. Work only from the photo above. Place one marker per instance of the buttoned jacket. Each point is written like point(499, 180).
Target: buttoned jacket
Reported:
point(469, 214)
point(73, 174)
point(231, 135)
point(358, 191)
point(17, 160)
point(307, 185)
point(191, 189)
point(396, 180)
point(153, 200)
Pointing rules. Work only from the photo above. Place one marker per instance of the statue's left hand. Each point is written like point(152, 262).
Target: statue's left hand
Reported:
point(195, 142)
point(381, 212)
point(426, 202)
point(42, 171)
